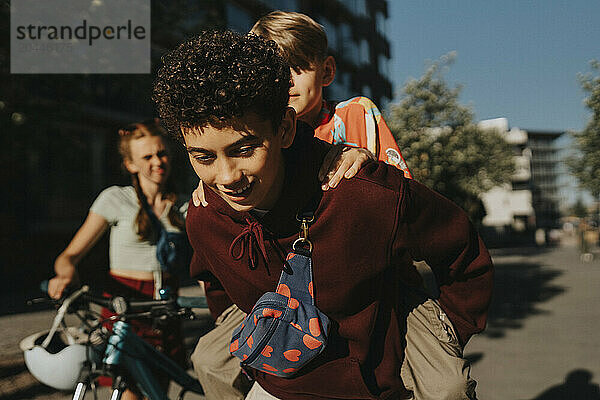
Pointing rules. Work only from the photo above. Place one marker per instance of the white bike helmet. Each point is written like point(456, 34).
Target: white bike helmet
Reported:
point(58, 364)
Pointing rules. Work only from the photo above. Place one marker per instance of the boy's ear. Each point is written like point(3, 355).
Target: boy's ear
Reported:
point(328, 70)
point(287, 128)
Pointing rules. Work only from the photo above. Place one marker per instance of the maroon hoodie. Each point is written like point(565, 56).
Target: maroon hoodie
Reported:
point(366, 233)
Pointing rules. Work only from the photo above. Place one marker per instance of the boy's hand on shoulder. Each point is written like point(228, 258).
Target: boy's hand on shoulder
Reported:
point(198, 195)
point(342, 162)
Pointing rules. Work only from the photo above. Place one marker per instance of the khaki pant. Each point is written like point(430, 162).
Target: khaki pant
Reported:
point(433, 367)
point(218, 371)
point(258, 393)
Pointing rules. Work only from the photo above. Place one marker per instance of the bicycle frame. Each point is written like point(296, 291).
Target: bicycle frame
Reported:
point(126, 351)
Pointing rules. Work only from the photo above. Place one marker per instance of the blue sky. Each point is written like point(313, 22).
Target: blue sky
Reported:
point(515, 58)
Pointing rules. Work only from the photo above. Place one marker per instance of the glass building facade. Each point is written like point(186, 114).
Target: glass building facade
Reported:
point(356, 32)
point(60, 131)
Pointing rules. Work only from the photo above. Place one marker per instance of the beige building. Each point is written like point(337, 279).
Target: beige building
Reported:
point(509, 208)
point(529, 202)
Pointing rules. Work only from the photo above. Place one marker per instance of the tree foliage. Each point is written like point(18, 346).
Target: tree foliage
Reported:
point(586, 166)
point(442, 145)
point(579, 209)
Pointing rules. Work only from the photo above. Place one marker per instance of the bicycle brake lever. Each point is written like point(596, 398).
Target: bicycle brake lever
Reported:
point(38, 300)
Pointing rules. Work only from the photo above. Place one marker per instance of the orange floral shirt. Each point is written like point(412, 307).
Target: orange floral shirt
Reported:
point(358, 122)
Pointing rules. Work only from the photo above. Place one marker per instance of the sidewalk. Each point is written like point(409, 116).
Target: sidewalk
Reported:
point(542, 331)
point(542, 337)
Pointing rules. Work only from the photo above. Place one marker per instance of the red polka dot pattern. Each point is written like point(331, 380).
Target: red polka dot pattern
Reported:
point(313, 326)
point(267, 351)
point(284, 290)
point(269, 312)
point(292, 355)
point(296, 326)
point(284, 330)
point(310, 342)
point(269, 368)
point(293, 303)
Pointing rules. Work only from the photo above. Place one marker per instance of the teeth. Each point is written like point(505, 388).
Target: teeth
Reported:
point(240, 190)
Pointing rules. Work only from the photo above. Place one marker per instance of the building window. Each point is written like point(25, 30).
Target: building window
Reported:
point(366, 91)
point(340, 89)
point(520, 186)
point(357, 7)
point(283, 5)
point(347, 46)
point(345, 37)
point(331, 32)
point(383, 65)
point(380, 23)
point(364, 52)
point(238, 19)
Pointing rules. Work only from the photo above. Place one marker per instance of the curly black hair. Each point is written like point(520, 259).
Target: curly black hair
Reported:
point(216, 76)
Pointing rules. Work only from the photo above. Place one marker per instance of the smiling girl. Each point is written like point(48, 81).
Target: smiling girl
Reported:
point(134, 268)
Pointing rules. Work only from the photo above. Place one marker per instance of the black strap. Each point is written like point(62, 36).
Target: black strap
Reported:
point(306, 217)
point(158, 226)
point(308, 210)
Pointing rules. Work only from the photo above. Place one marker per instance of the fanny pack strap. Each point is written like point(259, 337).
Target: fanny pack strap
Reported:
point(298, 284)
point(158, 227)
point(297, 280)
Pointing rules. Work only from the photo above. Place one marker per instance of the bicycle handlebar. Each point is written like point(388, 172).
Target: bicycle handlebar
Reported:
point(120, 305)
point(192, 302)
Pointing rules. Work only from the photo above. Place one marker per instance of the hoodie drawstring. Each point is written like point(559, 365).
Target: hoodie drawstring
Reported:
point(250, 237)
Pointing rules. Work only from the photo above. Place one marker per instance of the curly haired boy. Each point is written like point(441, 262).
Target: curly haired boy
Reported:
point(356, 122)
point(225, 97)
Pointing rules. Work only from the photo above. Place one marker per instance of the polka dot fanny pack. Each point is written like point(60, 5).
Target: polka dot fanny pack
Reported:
point(285, 330)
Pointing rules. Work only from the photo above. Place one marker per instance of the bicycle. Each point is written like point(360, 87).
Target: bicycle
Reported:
point(117, 353)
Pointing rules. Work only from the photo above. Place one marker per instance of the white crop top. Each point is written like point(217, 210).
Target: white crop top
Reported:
point(119, 206)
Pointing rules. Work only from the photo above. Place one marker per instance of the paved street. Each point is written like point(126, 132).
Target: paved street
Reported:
point(542, 333)
point(543, 328)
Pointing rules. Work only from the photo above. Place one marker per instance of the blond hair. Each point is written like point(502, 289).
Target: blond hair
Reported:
point(302, 41)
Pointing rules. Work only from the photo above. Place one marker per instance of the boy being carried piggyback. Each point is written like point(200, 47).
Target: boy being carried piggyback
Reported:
point(225, 96)
point(355, 122)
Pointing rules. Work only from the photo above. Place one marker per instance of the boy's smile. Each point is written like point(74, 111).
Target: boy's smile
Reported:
point(241, 161)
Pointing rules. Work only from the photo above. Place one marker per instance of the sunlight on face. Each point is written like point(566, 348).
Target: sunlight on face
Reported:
point(306, 93)
point(241, 161)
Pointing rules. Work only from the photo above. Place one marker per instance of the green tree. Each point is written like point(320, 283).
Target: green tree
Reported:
point(586, 165)
point(579, 209)
point(442, 145)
